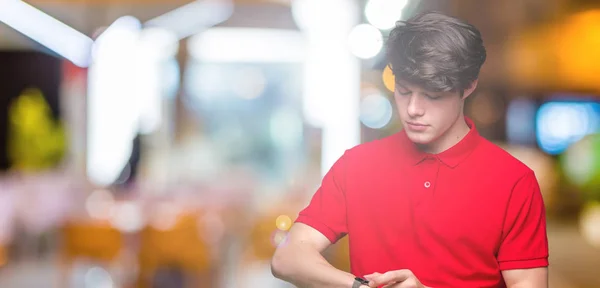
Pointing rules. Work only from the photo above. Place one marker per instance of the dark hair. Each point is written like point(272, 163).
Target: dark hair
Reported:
point(436, 52)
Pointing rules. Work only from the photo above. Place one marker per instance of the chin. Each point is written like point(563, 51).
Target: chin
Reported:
point(419, 138)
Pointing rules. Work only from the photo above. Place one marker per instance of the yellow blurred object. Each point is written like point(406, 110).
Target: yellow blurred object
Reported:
point(269, 228)
point(265, 236)
point(530, 59)
point(388, 78)
point(181, 245)
point(558, 55)
point(589, 223)
point(96, 240)
point(339, 254)
point(3, 256)
point(283, 222)
point(577, 46)
point(36, 140)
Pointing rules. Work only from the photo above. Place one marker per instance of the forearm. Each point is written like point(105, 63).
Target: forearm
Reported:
point(307, 268)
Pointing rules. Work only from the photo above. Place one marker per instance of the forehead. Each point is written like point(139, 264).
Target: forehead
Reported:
point(411, 86)
point(402, 84)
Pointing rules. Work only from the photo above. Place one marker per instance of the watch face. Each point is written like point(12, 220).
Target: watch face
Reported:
point(362, 281)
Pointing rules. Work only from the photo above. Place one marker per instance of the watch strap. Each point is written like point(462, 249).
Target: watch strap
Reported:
point(359, 282)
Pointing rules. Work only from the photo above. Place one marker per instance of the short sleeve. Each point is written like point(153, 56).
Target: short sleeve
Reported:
point(524, 240)
point(326, 211)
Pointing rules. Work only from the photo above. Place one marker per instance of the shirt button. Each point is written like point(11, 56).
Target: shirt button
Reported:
point(427, 184)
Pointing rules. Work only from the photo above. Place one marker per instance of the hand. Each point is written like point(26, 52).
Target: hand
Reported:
point(394, 279)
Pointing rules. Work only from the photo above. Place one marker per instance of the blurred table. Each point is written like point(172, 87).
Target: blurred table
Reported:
point(573, 262)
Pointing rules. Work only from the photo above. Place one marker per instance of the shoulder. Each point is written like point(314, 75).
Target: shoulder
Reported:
point(496, 159)
point(374, 152)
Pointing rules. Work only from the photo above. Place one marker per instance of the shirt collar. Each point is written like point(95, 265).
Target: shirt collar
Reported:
point(451, 157)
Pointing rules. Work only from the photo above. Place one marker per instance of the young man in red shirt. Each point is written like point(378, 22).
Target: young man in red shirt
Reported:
point(434, 205)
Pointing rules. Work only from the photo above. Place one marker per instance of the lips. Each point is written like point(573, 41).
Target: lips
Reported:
point(415, 124)
point(416, 127)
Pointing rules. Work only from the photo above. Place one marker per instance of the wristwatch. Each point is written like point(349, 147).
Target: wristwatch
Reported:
point(359, 282)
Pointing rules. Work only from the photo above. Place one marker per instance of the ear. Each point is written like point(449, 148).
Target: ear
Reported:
point(470, 90)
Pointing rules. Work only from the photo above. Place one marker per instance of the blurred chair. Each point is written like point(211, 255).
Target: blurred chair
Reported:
point(338, 254)
point(263, 237)
point(271, 226)
point(180, 247)
point(264, 234)
point(3, 255)
point(96, 241)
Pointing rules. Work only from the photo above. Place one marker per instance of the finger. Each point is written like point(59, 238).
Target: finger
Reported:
point(370, 276)
point(392, 277)
point(387, 285)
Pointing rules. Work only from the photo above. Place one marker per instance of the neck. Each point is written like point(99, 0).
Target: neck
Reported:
point(451, 137)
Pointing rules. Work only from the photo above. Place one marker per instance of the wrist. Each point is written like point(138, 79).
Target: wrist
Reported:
point(360, 282)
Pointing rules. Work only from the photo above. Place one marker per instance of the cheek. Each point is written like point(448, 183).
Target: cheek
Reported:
point(400, 106)
point(448, 111)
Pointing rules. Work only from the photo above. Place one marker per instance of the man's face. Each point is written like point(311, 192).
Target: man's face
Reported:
point(427, 116)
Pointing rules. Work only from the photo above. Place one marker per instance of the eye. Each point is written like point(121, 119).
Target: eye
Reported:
point(432, 97)
point(404, 93)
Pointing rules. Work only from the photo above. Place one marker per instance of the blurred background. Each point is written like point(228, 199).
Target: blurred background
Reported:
point(172, 143)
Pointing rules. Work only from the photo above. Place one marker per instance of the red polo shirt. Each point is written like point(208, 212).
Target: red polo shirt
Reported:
point(455, 219)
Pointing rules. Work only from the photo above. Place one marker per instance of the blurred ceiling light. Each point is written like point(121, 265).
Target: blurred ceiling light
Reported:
point(51, 33)
point(125, 28)
point(125, 93)
point(247, 45)
point(365, 41)
point(192, 18)
point(251, 83)
point(159, 43)
point(156, 46)
point(323, 17)
point(113, 116)
point(331, 74)
point(383, 14)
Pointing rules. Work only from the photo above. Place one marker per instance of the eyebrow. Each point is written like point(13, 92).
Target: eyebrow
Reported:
point(402, 86)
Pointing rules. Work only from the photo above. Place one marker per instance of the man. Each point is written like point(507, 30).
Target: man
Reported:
point(435, 205)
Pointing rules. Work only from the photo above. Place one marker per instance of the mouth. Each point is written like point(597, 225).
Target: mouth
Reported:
point(416, 127)
point(416, 124)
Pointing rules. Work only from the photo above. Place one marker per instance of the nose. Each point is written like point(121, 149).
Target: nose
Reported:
point(415, 108)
